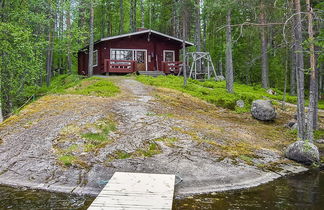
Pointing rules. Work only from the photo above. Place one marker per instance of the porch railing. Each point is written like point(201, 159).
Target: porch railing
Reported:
point(119, 66)
point(171, 67)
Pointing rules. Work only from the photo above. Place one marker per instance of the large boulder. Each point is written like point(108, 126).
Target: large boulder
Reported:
point(303, 152)
point(263, 110)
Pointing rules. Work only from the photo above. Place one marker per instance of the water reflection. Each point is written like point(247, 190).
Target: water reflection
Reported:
point(303, 191)
point(19, 198)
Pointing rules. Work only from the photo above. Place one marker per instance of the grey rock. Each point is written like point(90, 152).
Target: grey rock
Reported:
point(320, 141)
point(294, 127)
point(303, 152)
point(263, 110)
point(219, 78)
point(240, 103)
point(271, 92)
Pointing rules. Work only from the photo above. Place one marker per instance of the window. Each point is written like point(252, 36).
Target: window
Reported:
point(95, 58)
point(168, 55)
point(121, 55)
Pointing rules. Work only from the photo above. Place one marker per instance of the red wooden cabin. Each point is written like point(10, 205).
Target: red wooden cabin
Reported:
point(144, 50)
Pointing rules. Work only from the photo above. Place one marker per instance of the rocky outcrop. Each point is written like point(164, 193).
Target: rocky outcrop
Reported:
point(263, 110)
point(303, 152)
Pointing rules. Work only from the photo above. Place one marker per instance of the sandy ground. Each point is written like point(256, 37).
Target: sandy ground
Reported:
point(211, 149)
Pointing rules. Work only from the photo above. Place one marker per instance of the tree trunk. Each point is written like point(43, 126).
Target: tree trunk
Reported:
point(121, 15)
point(132, 15)
point(1, 114)
point(49, 57)
point(142, 14)
point(68, 26)
point(184, 28)
point(198, 27)
point(229, 58)
point(312, 88)
point(299, 72)
point(293, 72)
point(90, 65)
point(264, 41)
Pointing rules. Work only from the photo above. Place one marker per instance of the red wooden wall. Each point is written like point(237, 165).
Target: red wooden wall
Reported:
point(154, 44)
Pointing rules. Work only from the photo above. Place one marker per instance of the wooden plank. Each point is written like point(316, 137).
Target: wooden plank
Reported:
point(136, 191)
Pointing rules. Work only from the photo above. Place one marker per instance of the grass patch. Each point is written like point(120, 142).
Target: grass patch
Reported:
point(216, 93)
point(247, 159)
point(103, 128)
point(149, 150)
point(67, 160)
point(319, 134)
point(168, 141)
point(76, 84)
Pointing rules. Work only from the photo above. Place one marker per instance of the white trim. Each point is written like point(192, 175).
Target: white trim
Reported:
point(143, 32)
point(133, 54)
point(95, 51)
point(165, 51)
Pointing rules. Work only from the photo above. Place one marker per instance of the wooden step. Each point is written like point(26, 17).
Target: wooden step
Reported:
point(136, 191)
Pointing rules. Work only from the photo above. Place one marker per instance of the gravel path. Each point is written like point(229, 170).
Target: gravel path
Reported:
point(28, 153)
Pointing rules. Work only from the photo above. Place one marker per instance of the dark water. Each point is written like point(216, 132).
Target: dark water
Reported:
point(303, 191)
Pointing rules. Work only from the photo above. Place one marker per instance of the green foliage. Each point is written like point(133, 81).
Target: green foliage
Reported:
point(215, 92)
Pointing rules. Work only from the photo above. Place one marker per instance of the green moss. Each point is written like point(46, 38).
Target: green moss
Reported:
point(76, 84)
point(168, 141)
point(122, 155)
point(247, 159)
point(319, 134)
point(89, 147)
point(104, 127)
point(67, 160)
point(96, 87)
point(215, 92)
point(95, 137)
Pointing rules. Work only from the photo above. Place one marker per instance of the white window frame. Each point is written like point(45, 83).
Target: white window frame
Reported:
point(166, 51)
point(133, 54)
point(95, 52)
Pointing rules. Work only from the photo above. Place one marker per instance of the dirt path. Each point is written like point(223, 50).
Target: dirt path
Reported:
point(157, 131)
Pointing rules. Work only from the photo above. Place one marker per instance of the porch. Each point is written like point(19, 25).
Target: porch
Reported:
point(131, 66)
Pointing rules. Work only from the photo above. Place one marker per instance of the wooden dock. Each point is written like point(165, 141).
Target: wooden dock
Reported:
point(136, 191)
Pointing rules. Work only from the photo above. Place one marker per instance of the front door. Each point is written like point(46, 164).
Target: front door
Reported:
point(140, 57)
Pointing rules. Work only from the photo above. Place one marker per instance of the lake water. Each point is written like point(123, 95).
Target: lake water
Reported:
point(302, 191)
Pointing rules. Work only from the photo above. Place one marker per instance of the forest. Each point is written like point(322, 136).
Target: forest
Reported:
point(273, 43)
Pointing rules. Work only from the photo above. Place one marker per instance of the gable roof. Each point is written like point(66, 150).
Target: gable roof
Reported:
point(144, 32)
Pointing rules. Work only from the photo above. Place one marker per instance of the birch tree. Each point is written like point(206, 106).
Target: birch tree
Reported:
point(312, 88)
point(299, 71)
point(264, 43)
point(121, 16)
point(229, 56)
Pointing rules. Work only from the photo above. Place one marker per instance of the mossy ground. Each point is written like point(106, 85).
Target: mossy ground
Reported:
point(215, 92)
point(74, 141)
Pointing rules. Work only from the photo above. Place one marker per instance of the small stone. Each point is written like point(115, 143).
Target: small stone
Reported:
point(271, 92)
point(303, 152)
point(263, 110)
point(219, 78)
point(240, 103)
point(291, 124)
point(320, 141)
